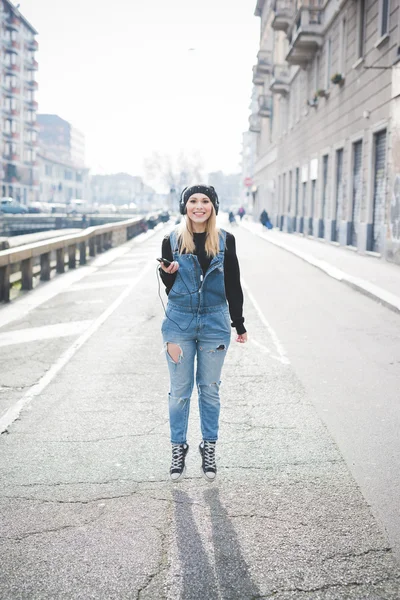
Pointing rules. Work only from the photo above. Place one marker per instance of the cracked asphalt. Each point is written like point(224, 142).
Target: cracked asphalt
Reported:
point(86, 507)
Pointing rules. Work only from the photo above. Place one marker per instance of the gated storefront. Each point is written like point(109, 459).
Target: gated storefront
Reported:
point(324, 194)
point(378, 214)
point(338, 193)
point(296, 201)
point(312, 208)
point(357, 192)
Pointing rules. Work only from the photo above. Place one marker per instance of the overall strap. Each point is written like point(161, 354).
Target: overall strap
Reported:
point(173, 238)
point(222, 241)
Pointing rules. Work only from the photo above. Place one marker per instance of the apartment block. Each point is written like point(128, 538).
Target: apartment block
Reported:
point(122, 189)
point(19, 131)
point(61, 138)
point(327, 121)
point(61, 180)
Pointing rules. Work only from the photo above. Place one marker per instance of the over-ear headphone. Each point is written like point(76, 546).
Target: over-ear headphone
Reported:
point(214, 197)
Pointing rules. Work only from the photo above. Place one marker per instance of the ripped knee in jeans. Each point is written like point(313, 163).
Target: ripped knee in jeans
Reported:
point(174, 352)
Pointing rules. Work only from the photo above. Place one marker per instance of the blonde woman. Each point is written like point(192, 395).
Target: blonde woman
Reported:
point(205, 299)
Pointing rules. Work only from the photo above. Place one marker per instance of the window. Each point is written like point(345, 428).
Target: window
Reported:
point(48, 170)
point(384, 14)
point(360, 28)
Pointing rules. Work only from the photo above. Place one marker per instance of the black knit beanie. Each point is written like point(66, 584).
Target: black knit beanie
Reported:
point(207, 190)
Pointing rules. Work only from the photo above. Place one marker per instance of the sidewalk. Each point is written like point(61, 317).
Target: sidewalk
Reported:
point(367, 274)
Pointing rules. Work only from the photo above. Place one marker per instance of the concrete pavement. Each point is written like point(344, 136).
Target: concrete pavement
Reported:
point(87, 510)
point(367, 274)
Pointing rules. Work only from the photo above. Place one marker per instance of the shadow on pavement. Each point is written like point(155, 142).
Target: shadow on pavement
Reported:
point(198, 577)
point(230, 579)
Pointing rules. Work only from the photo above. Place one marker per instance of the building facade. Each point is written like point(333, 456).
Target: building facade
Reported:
point(61, 181)
point(62, 139)
point(122, 189)
point(327, 120)
point(19, 132)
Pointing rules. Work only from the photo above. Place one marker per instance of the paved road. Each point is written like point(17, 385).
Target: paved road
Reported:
point(86, 508)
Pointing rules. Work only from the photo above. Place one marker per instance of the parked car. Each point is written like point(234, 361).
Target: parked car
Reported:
point(11, 206)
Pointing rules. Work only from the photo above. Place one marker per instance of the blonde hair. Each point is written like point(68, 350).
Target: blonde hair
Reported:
point(185, 236)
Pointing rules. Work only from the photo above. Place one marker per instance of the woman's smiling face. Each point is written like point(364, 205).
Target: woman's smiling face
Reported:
point(199, 208)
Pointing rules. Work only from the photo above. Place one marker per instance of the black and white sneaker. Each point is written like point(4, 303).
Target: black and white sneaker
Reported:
point(178, 467)
point(208, 466)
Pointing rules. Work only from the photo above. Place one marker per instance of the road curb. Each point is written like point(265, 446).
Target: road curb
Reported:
point(367, 288)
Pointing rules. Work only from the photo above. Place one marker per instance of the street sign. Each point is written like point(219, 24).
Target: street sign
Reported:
point(248, 182)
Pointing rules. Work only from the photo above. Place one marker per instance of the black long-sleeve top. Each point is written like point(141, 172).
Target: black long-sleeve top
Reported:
point(233, 289)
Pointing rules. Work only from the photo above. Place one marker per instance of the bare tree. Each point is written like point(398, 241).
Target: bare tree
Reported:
point(175, 173)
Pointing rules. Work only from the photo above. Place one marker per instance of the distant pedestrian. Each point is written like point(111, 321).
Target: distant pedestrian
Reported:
point(84, 221)
point(264, 218)
point(241, 212)
point(231, 217)
point(202, 281)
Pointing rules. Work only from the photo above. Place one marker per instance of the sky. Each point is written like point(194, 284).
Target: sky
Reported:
point(144, 76)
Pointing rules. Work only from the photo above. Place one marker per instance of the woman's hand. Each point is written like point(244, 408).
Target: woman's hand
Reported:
point(173, 267)
point(242, 338)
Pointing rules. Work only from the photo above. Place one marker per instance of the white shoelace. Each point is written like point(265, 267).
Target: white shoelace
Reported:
point(209, 455)
point(177, 456)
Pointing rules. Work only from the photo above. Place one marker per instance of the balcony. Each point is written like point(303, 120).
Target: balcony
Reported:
point(32, 45)
point(14, 68)
point(12, 23)
point(255, 123)
point(11, 45)
point(280, 80)
point(32, 125)
point(305, 37)
point(265, 105)
point(32, 84)
point(11, 157)
point(32, 65)
point(283, 15)
point(10, 113)
point(31, 104)
point(264, 62)
point(258, 79)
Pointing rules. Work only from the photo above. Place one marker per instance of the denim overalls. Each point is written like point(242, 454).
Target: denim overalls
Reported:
point(197, 320)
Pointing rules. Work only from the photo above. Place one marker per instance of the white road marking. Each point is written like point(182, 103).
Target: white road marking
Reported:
point(276, 341)
point(12, 413)
point(95, 285)
point(34, 334)
point(113, 271)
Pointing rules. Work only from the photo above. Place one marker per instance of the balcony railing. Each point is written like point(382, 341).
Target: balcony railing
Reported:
point(305, 36)
point(11, 157)
point(12, 68)
point(258, 78)
point(32, 104)
point(12, 23)
point(32, 45)
point(264, 62)
point(255, 123)
point(265, 105)
point(32, 65)
point(11, 45)
point(32, 125)
point(283, 15)
point(280, 80)
point(32, 84)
